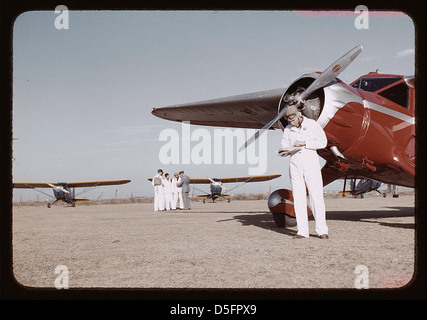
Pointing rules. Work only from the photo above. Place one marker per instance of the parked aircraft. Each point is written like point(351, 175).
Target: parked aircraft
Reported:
point(361, 188)
point(367, 185)
point(65, 191)
point(369, 123)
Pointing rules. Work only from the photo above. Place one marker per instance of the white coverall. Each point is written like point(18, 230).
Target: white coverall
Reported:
point(176, 194)
point(304, 169)
point(159, 195)
point(167, 189)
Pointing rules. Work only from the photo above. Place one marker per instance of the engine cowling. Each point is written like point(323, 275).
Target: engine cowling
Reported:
point(312, 106)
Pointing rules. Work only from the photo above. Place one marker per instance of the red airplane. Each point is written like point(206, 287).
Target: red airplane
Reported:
point(370, 123)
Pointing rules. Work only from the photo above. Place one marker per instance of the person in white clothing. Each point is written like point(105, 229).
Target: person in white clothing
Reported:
point(167, 188)
point(159, 197)
point(177, 192)
point(173, 193)
point(301, 138)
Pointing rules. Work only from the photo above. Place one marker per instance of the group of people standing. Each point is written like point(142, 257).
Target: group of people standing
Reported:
point(169, 192)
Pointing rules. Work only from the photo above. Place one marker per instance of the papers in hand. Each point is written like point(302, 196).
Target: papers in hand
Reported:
point(284, 152)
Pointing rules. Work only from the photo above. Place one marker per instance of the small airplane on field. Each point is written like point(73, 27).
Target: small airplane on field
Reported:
point(217, 188)
point(369, 123)
point(361, 188)
point(367, 185)
point(62, 190)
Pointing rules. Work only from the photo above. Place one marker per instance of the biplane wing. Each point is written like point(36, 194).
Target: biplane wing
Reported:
point(81, 184)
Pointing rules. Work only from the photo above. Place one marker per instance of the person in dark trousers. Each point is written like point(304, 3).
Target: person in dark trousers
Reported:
point(185, 184)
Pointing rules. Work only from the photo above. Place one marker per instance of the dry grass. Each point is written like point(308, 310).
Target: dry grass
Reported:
point(221, 245)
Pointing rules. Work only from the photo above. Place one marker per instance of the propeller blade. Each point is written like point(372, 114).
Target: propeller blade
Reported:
point(266, 127)
point(216, 183)
point(58, 188)
point(261, 131)
point(332, 72)
point(325, 77)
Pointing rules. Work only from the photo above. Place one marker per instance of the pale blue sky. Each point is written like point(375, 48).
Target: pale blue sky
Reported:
point(82, 97)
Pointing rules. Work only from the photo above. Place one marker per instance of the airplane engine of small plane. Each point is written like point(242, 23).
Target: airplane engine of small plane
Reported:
point(59, 194)
point(216, 189)
point(62, 192)
point(312, 105)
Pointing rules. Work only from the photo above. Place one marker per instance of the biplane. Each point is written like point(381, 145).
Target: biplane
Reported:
point(369, 123)
point(65, 191)
point(217, 188)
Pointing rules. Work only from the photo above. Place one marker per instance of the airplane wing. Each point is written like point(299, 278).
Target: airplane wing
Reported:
point(194, 180)
point(235, 179)
point(252, 110)
point(96, 183)
point(200, 181)
point(250, 178)
point(31, 185)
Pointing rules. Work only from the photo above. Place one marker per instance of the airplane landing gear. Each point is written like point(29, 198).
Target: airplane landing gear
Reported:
point(282, 220)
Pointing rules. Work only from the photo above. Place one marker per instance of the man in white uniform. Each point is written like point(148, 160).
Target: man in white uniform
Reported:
point(167, 189)
point(159, 197)
point(305, 136)
point(176, 192)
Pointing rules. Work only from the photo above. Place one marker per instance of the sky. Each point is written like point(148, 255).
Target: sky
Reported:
point(83, 96)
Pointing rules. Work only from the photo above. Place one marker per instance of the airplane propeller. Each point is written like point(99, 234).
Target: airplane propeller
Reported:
point(325, 77)
point(217, 184)
point(58, 188)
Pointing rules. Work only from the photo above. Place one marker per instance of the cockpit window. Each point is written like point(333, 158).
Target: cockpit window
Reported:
point(398, 94)
point(374, 84)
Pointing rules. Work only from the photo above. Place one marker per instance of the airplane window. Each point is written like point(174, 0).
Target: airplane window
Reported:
point(356, 84)
point(398, 94)
point(375, 84)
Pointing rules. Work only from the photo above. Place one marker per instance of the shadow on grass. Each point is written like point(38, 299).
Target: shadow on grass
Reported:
point(265, 220)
